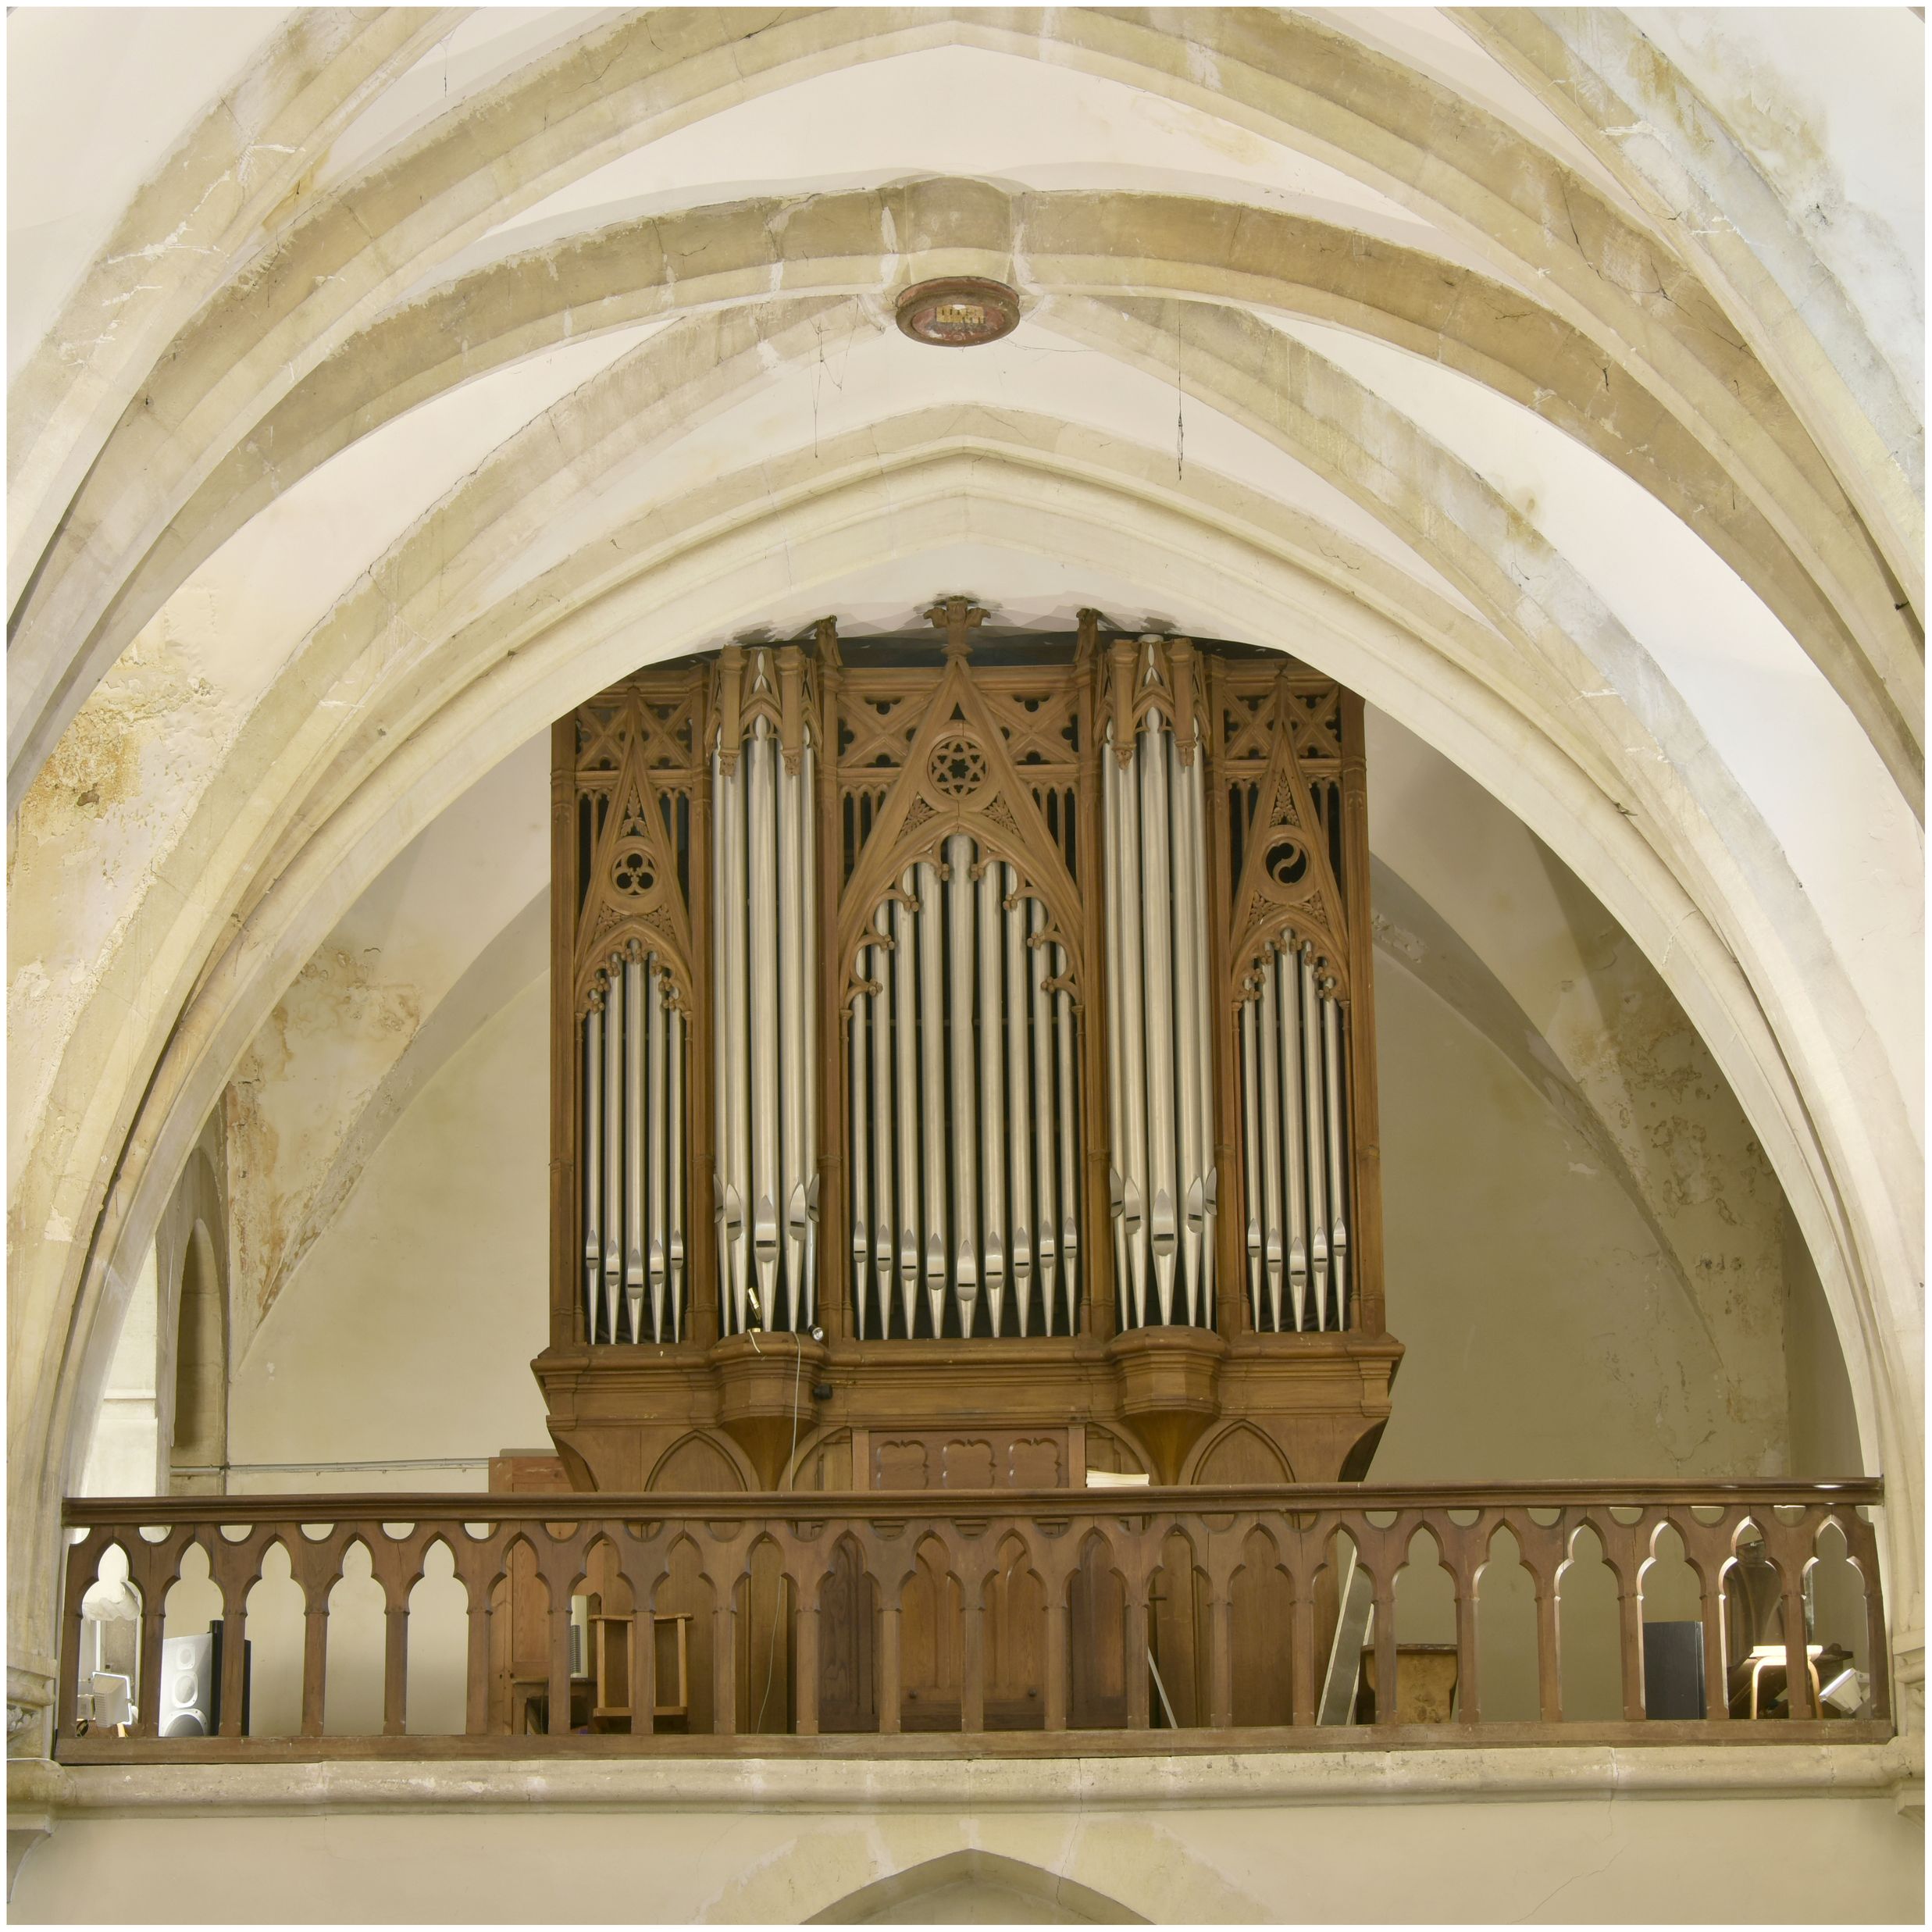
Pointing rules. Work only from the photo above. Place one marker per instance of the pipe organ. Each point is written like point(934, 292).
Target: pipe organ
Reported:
point(964, 1067)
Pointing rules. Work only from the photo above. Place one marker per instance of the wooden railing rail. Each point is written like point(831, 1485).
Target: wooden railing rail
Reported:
point(1030, 1610)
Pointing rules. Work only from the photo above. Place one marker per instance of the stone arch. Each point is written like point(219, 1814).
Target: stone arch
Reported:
point(977, 1887)
point(1398, 648)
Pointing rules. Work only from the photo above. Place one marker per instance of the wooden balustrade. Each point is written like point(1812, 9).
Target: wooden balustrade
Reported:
point(1013, 1616)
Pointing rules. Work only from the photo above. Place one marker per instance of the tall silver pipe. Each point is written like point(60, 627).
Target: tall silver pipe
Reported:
point(1189, 978)
point(906, 1124)
point(736, 1140)
point(1127, 900)
point(674, 1164)
point(1292, 1071)
point(790, 984)
point(1019, 1115)
point(1116, 1016)
point(1156, 937)
point(1065, 1114)
point(613, 1145)
point(995, 1120)
point(860, 1087)
point(1036, 1131)
point(1338, 1225)
point(1205, 1019)
point(1274, 1239)
point(961, 1114)
point(592, 1164)
point(721, 1031)
point(932, 1089)
point(1251, 1149)
point(761, 755)
point(634, 1145)
point(1317, 1212)
point(659, 1259)
point(809, 1074)
point(883, 1139)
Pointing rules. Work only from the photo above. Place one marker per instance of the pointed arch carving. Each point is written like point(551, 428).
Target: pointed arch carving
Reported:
point(1287, 889)
point(958, 777)
point(633, 903)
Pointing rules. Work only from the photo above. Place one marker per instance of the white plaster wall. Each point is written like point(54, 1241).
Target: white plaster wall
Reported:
point(1595, 1858)
point(409, 1332)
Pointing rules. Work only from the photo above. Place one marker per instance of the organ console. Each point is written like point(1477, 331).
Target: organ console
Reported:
point(963, 1068)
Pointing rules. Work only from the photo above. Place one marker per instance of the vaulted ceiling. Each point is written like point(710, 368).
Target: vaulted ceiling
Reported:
point(383, 384)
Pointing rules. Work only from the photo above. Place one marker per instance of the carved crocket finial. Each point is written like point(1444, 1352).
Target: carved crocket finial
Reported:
point(957, 617)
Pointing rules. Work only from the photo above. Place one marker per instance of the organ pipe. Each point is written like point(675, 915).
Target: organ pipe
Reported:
point(931, 1088)
point(994, 1117)
point(633, 1191)
point(1311, 1091)
point(1163, 1184)
point(1331, 1089)
point(1051, 1260)
point(861, 1148)
point(1019, 1098)
point(634, 1142)
point(962, 1128)
point(593, 1170)
point(1294, 1140)
point(613, 1151)
point(764, 915)
point(955, 1043)
point(906, 1122)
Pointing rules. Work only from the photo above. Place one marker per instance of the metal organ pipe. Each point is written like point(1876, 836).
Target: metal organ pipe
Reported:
point(1048, 1241)
point(734, 1144)
point(592, 1164)
point(633, 1141)
point(1130, 1072)
point(613, 1146)
point(960, 1114)
point(1019, 1117)
point(764, 915)
point(1289, 1034)
point(791, 1065)
point(1331, 1087)
point(861, 1146)
point(906, 1124)
point(1157, 935)
point(993, 1120)
point(1069, 1173)
point(932, 922)
point(881, 1115)
point(1311, 1085)
point(1294, 1138)
point(1159, 1033)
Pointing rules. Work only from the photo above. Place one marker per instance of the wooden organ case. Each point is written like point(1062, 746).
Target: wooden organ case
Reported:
point(963, 1078)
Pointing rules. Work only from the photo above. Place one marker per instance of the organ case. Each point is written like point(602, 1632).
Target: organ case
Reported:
point(963, 1068)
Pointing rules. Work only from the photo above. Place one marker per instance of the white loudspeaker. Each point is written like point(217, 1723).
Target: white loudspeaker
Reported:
point(188, 1686)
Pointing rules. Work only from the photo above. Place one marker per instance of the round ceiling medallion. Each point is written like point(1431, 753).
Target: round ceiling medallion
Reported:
point(958, 312)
